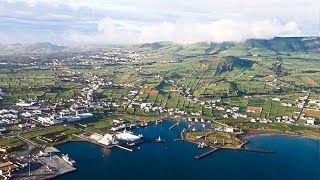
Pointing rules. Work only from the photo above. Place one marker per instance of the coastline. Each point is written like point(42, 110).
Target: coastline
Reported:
point(253, 133)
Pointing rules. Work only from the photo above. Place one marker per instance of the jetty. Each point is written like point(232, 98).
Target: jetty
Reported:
point(174, 125)
point(121, 147)
point(206, 153)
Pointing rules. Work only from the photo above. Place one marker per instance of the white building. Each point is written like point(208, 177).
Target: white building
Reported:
point(108, 139)
point(229, 130)
point(127, 137)
point(51, 120)
point(310, 121)
point(144, 105)
point(2, 130)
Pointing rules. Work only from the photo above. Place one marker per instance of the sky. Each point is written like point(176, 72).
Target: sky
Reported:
point(139, 21)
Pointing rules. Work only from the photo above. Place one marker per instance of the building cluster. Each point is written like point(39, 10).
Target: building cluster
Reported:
point(118, 56)
point(8, 116)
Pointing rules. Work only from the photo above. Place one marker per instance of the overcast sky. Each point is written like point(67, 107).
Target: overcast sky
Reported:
point(138, 21)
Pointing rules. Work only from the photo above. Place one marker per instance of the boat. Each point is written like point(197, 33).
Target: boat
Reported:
point(194, 129)
point(66, 158)
point(144, 125)
point(159, 140)
point(131, 143)
point(140, 135)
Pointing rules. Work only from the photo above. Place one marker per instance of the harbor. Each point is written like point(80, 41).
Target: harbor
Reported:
point(48, 163)
point(179, 154)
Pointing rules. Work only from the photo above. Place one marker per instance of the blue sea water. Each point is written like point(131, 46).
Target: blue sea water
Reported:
point(296, 158)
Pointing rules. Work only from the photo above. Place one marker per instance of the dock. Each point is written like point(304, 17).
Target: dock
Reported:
point(206, 153)
point(174, 125)
point(121, 147)
point(50, 168)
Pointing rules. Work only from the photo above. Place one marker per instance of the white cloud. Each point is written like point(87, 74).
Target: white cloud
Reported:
point(136, 21)
point(187, 32)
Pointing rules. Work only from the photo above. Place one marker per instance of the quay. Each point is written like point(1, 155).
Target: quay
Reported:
point(50, 167)
point(174, 125)
point(206, 153)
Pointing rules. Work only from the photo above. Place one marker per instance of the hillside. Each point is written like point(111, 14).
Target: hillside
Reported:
point(251, 47)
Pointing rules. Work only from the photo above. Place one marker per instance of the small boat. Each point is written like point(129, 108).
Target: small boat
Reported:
point(194, 129)
point(158, 121)
point(140, 135)
point(144, 124)
point(131, 144)
point(159, 140)
point(66, 158)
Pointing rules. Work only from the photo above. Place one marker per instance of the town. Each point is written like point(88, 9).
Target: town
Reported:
point(99, 95)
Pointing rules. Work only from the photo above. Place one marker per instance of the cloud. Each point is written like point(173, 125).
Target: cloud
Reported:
point(135, 21)
point(109, 31)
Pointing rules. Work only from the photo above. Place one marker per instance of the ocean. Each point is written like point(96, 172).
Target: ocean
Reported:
point(296, 158)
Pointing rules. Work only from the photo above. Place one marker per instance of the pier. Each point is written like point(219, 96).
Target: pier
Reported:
point(121, 147)
point(206, 153)
point(174, 125)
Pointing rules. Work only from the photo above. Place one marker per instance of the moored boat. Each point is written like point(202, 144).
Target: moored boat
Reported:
point(66, 158)
point(159, 140)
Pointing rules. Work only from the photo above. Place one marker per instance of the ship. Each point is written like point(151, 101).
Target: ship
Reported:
point(68, 159)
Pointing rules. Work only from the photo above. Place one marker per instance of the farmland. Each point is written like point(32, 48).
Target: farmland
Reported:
point(175, 81)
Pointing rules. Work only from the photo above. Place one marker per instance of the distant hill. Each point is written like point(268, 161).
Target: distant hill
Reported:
point(286, 44)
point(43, 45)
point(250, 47)
point(152, 46)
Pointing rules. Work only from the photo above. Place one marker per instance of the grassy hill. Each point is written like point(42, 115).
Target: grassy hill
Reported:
point(251, 47)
